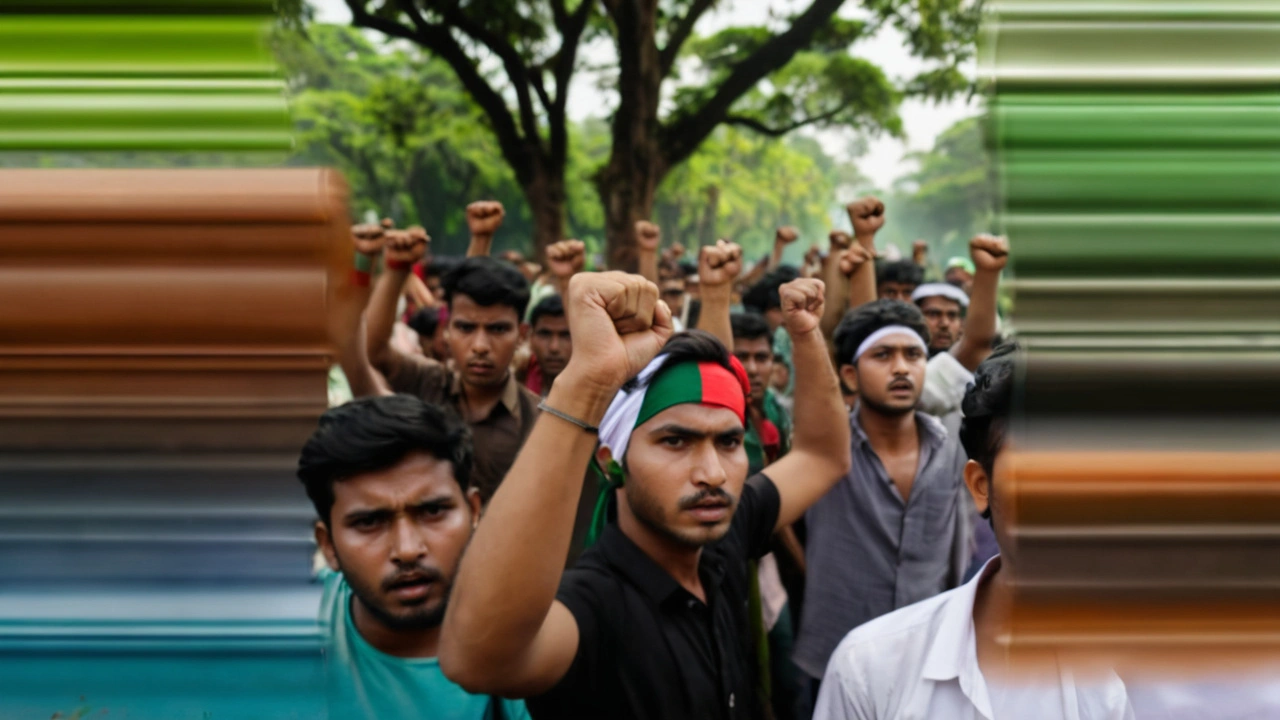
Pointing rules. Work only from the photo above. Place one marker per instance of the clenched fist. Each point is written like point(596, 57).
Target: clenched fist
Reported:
point(840, 240)
point(919, 251)
point(566, 257)
point(368, 238)
point(618, 325)
point(989, 253)
point(867, 216)
point(786, 235)
point(802, 304)
point(719, 264)
point(675, 252)
point(485, 217)
point(648, 236)
point(853, 258)
point(406, 246)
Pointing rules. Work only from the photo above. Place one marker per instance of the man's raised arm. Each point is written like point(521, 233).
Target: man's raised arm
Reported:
point(990, 255)
point(565, 259)
point(819, 455)
point(347, 302)
point(483, 220)
point(403, 249)
point(648, 237)
point(504, 632)
point(718, 266)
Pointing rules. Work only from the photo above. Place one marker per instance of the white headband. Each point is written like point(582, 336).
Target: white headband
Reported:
point(951, 292)
point(620, 419)
point(881, 334)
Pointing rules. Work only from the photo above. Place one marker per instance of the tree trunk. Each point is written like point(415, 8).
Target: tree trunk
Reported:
point(628, 182)
point(546, 198)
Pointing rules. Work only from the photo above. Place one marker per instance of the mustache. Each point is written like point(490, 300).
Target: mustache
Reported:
point(692, 501)
point(418, 574)
point(902, 381)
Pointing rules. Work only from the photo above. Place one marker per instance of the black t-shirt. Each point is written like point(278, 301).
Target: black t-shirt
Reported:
point(650, 650)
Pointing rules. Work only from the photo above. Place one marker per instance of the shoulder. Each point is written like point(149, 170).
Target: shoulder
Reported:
point(529, 398)
point(590, 589)
point(886, 651)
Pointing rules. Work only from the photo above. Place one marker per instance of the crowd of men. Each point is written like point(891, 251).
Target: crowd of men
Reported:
point(710, 489)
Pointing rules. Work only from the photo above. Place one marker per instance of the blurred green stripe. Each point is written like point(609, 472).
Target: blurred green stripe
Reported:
point(1145, 126)
point(96, 46)
point(167, 7)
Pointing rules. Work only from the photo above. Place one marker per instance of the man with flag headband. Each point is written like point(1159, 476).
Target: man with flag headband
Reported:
point(653, 620)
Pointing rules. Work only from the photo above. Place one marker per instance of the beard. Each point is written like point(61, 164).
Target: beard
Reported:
point(424, 615)
point(648, 512)
point(884, 409)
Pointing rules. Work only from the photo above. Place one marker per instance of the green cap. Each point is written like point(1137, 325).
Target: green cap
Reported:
point(961, 262)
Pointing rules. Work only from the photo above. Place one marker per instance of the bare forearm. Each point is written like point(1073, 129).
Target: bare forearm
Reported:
point(380, 317)
point(980, 321)
point(775, 258)
point(825, 430)
point(862, 286)
point(648, 265)
point(480, 245)
point(837, 293)
point(354, 360)
point(714, 317)
point(525, 535)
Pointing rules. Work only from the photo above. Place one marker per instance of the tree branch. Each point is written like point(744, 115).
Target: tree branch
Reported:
point(680, 32)
point(683, 136)
point(439, 41)
point(514, 65)
point(760, 127)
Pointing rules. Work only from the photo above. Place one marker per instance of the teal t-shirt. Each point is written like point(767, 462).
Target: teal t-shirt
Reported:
point(367, 683)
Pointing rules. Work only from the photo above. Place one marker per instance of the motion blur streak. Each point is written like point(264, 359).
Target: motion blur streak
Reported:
point(1138, 147)
point(162, 356)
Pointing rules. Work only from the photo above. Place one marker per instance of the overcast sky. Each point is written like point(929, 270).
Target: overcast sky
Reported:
point(884, 160)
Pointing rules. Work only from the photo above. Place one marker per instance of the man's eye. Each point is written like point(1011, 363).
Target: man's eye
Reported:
point(366, 523)
point(730, 443)
point(673, 441)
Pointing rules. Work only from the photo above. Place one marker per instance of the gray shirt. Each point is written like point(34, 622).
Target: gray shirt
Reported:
point(869, 553)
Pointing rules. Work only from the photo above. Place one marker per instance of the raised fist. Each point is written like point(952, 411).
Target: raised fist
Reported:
point(802, 303)
point(618, 325)
point(566, 257)
point(786, 235)
point(485, 217)
point(368, 238)
point(648, 236)
point(840, 240)
point(675, 252)
point(406, 246)
point(989, 252)
point(719, 264)
point(388, 223)
point(867, 216)
point(853, 258)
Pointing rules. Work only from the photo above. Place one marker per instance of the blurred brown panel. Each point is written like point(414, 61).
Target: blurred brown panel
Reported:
point(1146, 555)
point(166, 310)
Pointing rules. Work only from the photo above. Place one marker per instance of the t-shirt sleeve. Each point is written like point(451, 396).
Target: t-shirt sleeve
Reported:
point(945, 380)
point(414, 375)
point(757, 514)
point(580, 593)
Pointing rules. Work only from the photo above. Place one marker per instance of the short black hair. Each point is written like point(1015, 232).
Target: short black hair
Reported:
point(688, 268)
point(763, 295)
point(442, 265)
point(986, 406)
point(549, 306)
point(425, 321)
point(374, 433)
point(750, 326)
point(858, 324)
point(904, 272)
point(487, 282)
point(688, 346)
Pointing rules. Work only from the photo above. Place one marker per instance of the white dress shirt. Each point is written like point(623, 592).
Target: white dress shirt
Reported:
point(921, 663)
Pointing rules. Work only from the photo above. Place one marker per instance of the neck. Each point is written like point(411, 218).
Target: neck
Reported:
point(396, 642)
point(991, 609)
point(483, 394)
point(680, 561)
point(888, 431)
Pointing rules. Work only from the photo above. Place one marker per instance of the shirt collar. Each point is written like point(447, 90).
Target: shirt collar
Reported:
point(510, 392)
point(953, 652)
point(628, 559)
point(932, 431)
